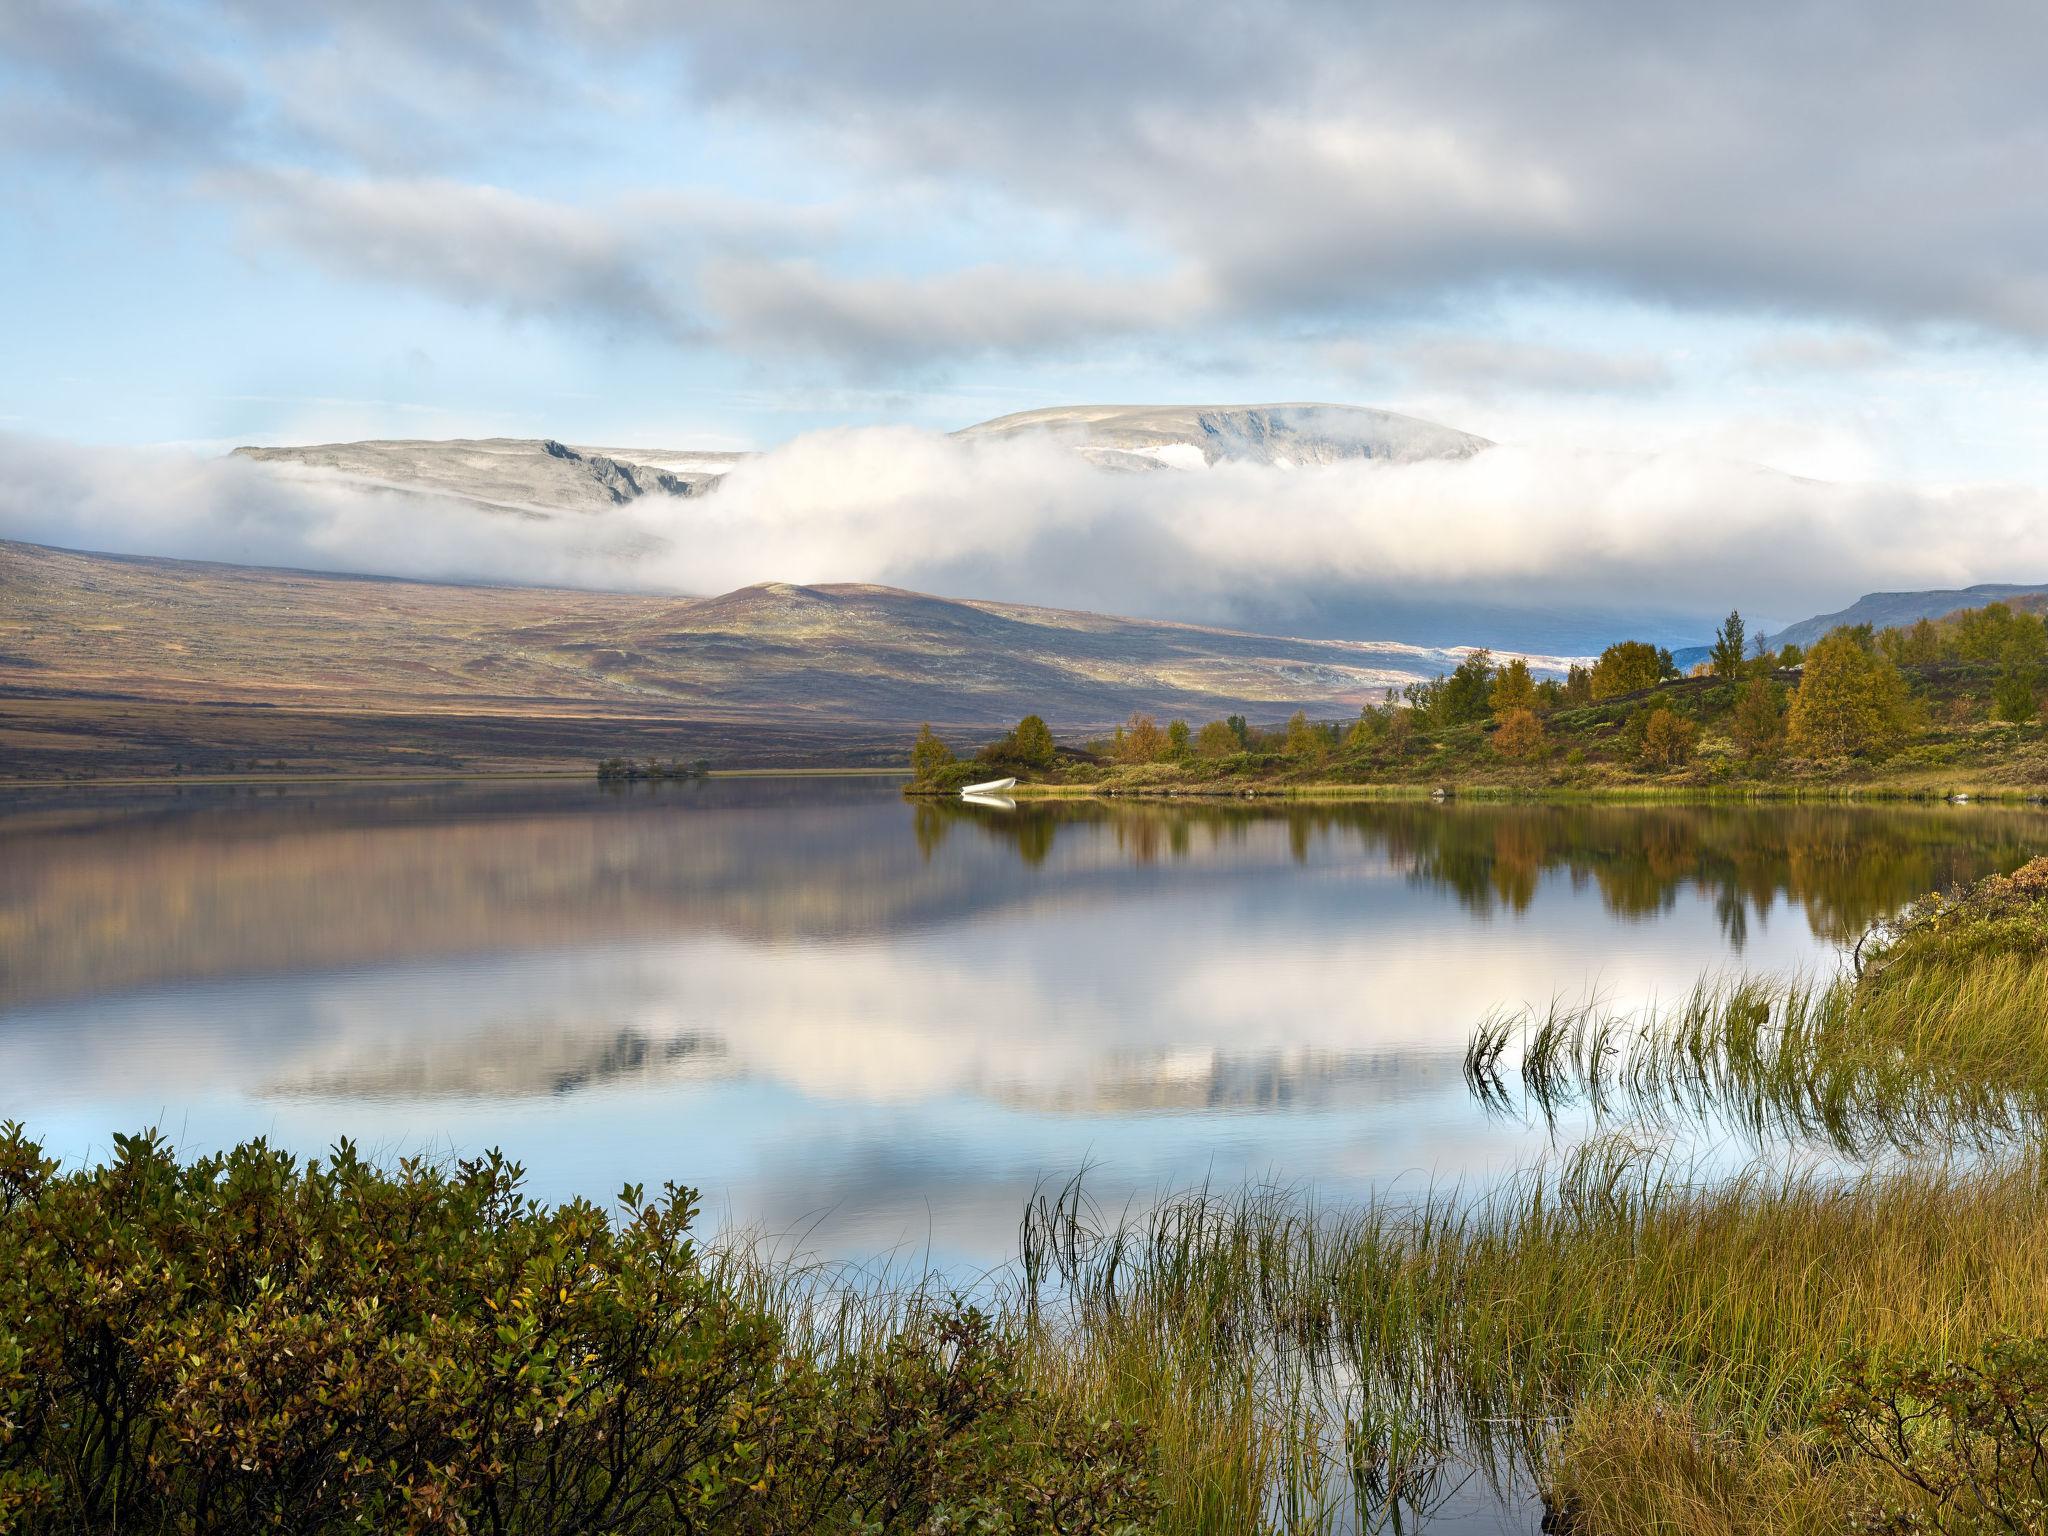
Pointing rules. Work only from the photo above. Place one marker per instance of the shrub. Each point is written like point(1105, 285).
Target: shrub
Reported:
point(247, 1342)
point(928, 755)
point(1668, 739)
point(1969, 1438)
point(1519, 735)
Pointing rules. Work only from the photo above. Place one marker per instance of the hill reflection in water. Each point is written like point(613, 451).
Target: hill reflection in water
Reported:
point(876, 1021)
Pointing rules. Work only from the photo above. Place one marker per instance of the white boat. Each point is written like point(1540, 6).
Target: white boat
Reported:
point(992, 787)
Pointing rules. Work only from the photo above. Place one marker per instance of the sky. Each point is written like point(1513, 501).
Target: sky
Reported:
point(1805, 235)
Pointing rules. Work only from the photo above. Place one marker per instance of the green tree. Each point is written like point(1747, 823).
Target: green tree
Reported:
point(1850, 699)
point(1217, 739)
point(1177, 739)
point(1628, 666)
point(1513, 689)
point(1239, 730)
point(928, 755)
point(2012, 700)
point(1032, 743)
point(1305, 744)
point(1728, 646)
point(1466, 694)
point(1578, 686)
point(1758, 724)
point(1919, 646)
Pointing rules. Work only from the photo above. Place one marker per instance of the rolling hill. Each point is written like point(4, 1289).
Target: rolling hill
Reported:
point(139, 664)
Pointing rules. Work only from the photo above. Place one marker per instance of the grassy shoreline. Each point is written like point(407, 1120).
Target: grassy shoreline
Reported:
point(1786, 793)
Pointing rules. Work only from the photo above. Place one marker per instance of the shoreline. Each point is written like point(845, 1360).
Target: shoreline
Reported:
point(281, 780)
point(1503, 793)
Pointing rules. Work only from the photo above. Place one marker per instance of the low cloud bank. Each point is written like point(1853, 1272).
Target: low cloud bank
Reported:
point(1532, 530)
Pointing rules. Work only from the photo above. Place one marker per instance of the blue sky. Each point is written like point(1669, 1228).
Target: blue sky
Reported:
point(1790, 233)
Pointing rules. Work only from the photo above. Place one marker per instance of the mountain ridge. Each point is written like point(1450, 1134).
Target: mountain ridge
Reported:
point(856, 660)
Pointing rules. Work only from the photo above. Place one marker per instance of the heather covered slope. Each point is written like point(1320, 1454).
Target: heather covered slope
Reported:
point(86, 639)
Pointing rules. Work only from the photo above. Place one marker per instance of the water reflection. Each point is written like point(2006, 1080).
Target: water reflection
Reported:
point(879, 1022)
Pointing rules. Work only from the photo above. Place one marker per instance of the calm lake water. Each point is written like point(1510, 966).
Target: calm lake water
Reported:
point(868, 1027)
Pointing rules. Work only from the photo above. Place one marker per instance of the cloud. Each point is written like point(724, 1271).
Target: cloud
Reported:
point(878, 321)
point(1313, 156)
point(1484, 366)
point(1806, 352)
point(1299, 162)
point(476, 245)
point(1026, 521)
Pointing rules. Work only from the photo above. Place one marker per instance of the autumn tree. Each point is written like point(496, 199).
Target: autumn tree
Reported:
point(1519, 734)
point(1140, 740)
point(1513, 689)
point(1758, 724)
point(1400, 731)
point(1177, 739)
point(1726, 655)
point(1628, 666)
point(1578, 686)
point(928, 755)
point(1850, 699)
point(1217, 739)
point(1668, 738)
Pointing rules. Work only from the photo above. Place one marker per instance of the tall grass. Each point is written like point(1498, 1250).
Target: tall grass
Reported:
point(1336, 1363)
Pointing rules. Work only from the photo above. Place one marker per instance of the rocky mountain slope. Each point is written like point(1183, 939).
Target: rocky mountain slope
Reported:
point(540, 476)
point(1153, 437)
point(534, 476)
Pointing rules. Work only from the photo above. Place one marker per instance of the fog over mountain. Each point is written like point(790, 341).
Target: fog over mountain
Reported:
point(1319, 521)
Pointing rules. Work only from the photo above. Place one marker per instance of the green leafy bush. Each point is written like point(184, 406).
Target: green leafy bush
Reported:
point(1967, 1438)
point(246, 1343)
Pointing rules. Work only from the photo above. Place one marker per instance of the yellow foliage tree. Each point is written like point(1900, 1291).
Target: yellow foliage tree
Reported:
point(1849, 700)
point(1513, 689)
point(1519, 734)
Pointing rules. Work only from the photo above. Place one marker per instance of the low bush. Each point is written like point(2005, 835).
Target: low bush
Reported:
point(247, 1343)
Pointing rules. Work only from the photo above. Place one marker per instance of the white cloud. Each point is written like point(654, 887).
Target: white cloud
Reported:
point(1026, 521)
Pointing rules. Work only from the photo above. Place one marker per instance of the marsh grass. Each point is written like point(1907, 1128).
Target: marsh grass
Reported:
point(1937, 1040)
point(1611, 1310)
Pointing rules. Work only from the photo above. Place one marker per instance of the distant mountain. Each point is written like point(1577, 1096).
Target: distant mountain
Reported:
point(1154, 437)
point(84, 628)
point(1882, 610)
point(528, 476)
point(540, 476)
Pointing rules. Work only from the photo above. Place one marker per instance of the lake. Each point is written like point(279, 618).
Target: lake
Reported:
point(865, 1027)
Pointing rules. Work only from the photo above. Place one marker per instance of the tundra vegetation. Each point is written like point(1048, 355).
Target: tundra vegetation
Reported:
point(1916, 709)
point(251, 1342)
